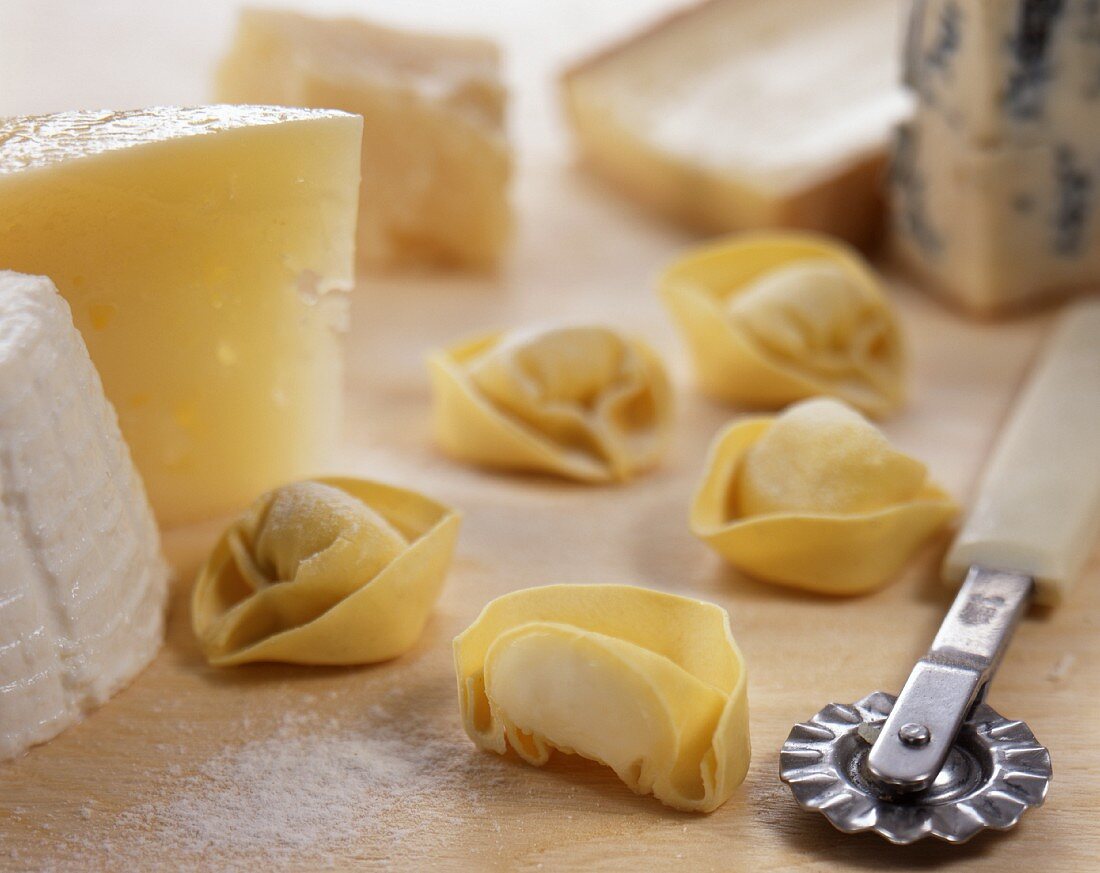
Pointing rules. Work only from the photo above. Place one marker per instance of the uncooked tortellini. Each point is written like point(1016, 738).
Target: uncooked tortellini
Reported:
point(651, 684)
point(586, 403)
point(328, 571)
point(774, 318)
point(816, 498)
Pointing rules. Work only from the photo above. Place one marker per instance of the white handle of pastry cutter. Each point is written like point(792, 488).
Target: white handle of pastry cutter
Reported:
point(1038, 506)
point(1029, 533)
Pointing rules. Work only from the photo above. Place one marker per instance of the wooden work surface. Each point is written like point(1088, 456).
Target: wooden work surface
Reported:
point(583, 254)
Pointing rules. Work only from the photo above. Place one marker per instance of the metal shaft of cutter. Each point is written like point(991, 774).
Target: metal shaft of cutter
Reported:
point(946, 683)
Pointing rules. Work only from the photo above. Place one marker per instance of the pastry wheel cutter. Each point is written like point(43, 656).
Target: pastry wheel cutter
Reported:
point(937, 760)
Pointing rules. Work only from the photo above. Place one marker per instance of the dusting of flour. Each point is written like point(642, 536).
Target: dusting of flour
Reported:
point(311, 789)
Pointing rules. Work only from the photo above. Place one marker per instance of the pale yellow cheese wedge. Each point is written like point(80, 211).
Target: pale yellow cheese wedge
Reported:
point(331, 571)
point(650, 684)
point(815, 499)
point(435, 162)
point(773, 318)
point(743, 114)
point(201, 251)
point(583, 402)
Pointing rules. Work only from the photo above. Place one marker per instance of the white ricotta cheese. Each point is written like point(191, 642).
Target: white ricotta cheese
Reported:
point(82, 579)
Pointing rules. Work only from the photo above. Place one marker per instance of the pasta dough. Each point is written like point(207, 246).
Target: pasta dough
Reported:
point(584, 402)
point(650, 684)
point(328, 571)
point(816, 498)
point(774, 318)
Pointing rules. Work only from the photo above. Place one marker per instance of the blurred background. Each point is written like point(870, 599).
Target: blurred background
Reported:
point(67, 54)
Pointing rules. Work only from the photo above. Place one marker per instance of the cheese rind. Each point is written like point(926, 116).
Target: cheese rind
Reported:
point(734, 115)
point(435, 161)
point(83, 583)
point(201, 251)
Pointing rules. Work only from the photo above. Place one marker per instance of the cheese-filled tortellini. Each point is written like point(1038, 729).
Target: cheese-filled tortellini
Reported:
point(583, 402)
point(816, 498)
point(774, 318)
point(650, 684)
point(326, 571)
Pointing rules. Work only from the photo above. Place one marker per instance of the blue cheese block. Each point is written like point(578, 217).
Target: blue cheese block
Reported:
point(1008, 71)
point(996, 228)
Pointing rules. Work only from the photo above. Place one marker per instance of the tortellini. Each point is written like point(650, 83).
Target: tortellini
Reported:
point(327, 571)
point(585, 402)
point(816, 498)
point(774, 318)
point(650, 684)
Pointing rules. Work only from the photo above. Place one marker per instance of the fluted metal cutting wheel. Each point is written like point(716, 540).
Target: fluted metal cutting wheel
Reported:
point(995, 771)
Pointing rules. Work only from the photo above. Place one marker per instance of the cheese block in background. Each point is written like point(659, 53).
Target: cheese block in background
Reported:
point(201, 251)
point(436, 164)
point(1004, 71)
point(995, 178)
point(82, 580)
point(739, 114)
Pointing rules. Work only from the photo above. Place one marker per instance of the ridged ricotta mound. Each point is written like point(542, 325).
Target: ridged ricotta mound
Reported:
point(83, 584)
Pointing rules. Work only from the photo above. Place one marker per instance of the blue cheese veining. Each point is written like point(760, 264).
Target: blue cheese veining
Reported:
point(994, 180)
point(1007, 71)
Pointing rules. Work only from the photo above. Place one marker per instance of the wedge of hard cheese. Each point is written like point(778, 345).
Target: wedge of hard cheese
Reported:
point(82, 580)
point(738, 114)
point(201, 251)
point(436, 164)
